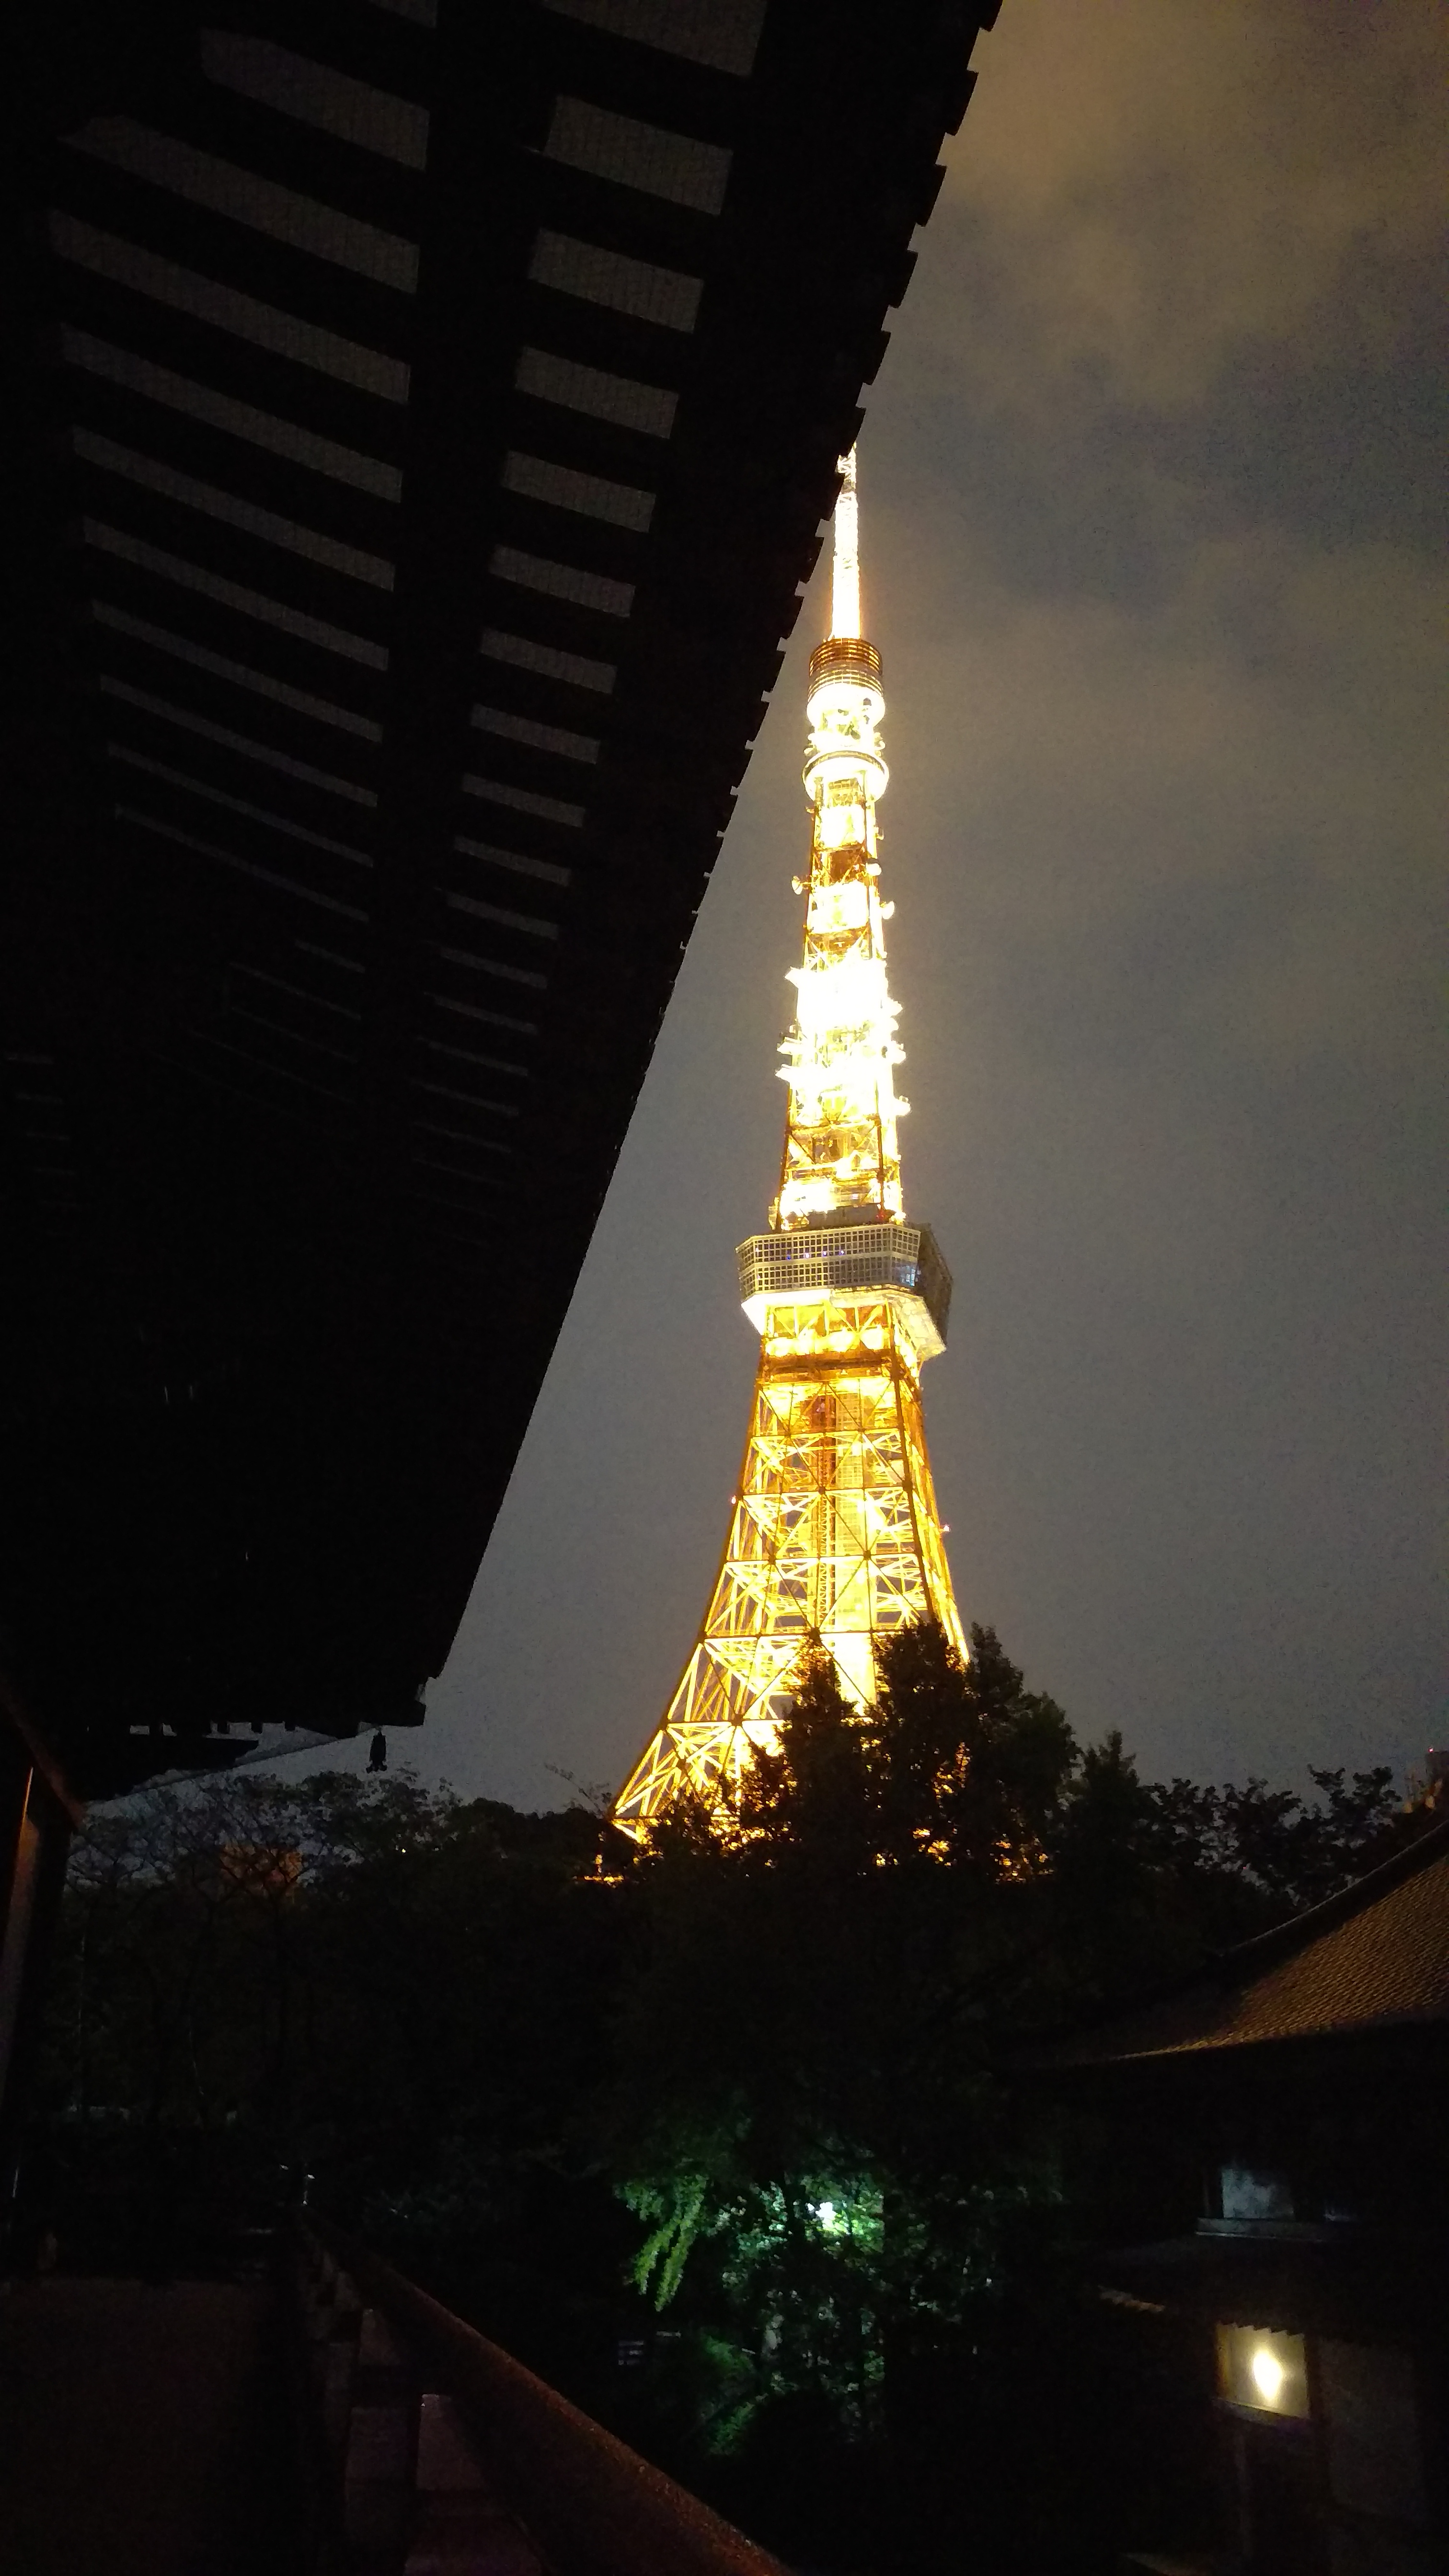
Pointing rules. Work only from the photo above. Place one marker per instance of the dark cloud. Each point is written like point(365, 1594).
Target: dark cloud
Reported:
point(1148, 527)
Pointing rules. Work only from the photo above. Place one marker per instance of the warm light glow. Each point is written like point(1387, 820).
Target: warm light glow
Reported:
point(841, 1053)
point(845, 583)
point(1263, 2368)
point(841, 1149)
point(834, 1534)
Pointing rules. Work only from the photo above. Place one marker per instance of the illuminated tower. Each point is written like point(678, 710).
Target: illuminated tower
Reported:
point(835, 1534)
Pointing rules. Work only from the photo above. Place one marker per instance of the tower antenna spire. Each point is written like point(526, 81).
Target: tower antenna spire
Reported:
point(835, 1542)
point(845, 574)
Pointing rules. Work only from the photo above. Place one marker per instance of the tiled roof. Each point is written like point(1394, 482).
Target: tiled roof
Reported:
point(1372, 1959)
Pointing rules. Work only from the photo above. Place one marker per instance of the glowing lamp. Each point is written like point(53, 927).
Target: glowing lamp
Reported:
point(1263, 2369)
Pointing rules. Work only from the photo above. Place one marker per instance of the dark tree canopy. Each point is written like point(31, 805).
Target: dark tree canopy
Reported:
point(743, 2094)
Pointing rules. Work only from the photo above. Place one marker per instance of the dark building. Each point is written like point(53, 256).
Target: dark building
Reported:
point(424, 420)
point(1299, 2092)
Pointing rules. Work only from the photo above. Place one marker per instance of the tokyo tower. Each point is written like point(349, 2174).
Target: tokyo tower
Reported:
point(834, 1540)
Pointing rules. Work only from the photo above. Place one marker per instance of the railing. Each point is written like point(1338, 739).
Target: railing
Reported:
point(432, 2450)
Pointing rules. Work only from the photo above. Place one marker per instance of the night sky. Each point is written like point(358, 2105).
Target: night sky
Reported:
point(1149, 480)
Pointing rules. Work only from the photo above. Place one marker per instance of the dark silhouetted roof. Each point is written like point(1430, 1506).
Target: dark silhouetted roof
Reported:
point(427, 414)
point(1374, 1958)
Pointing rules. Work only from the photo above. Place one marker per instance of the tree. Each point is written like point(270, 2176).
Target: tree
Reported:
point(398, 1991)
point(976, 1765)
point(847, 2209)
point(816, 1790)
point(754, 2081)
point(956, 1762)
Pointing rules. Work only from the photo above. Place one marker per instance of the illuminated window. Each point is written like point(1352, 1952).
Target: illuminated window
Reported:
point(1264, 2369)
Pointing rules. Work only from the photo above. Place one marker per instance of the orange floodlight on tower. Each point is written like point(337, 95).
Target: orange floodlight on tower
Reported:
point(835, 1540)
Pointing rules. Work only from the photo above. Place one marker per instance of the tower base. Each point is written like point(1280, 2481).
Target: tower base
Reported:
point(835, 1542)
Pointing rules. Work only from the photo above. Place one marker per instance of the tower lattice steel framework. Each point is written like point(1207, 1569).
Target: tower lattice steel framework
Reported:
point(835, 1534)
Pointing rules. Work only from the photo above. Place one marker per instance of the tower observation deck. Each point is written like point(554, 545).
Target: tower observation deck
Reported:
point(834, 1539)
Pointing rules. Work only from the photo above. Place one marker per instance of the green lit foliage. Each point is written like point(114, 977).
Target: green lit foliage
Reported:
point(803, 2115)
point(795, 2285)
